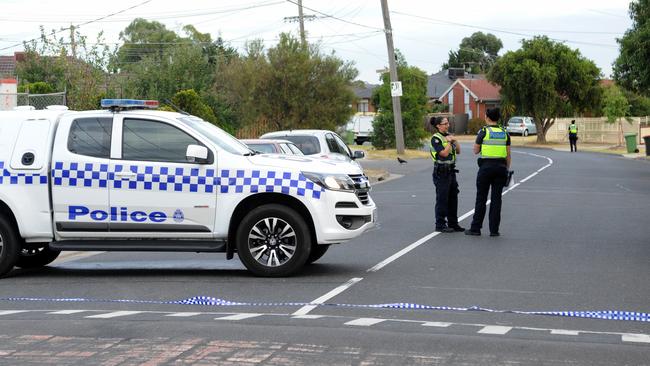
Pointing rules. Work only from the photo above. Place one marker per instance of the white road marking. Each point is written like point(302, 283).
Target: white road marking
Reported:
point(73, 256)
point(67, 312)
point(307, 308)
point(308, 316)
point(428, 237)
point(182, 315)
point(565, 332)
point(9, 312)
point(495, 329)
point(364, 322)
point(436, 324)
point(114, 314)
point(241, 316)
point(638, 338)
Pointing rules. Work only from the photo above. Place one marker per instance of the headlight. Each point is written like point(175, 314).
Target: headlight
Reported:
point(335, 182)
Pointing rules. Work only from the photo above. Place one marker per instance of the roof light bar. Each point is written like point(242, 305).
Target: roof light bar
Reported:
point(129, 103)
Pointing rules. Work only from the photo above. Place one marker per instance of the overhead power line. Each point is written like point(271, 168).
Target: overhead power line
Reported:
point(82, 24)
point(440, 21)
point(337, 18)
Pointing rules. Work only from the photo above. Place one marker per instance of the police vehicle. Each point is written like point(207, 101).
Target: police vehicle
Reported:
point(132, 178)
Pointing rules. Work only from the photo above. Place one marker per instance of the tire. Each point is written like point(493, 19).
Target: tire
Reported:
point(525, 133)
point(35, 257)
point(9, 246)
point(317, 251)
point(273, 241)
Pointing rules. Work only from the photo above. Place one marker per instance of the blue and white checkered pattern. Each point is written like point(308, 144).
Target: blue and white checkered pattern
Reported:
point(7, 177)
point(253, 181)
point(179, 179)
point(213, 301)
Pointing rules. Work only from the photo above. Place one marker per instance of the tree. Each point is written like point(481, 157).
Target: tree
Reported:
point(632, 67)
point(143, 38)
point(615, 107)
point(70, 65)
point(292, 85)
point(478, 52)
point(546, 79)
point(413, 102)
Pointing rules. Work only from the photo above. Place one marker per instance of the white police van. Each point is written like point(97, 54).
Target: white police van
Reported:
point(128, 178)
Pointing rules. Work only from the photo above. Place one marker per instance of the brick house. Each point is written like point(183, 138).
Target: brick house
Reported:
point(472, 97)
point(363, 104)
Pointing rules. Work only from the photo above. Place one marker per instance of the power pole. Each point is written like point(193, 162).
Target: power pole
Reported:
point(302, 22)
point(73, 43)
point(301, 19)
point(397, 108)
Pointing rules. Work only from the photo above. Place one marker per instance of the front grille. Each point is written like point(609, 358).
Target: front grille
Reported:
point(361, 187)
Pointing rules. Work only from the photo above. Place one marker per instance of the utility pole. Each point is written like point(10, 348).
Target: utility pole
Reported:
point(73, 43)
point(301, 19)
point(302, 22)
point(397, 108)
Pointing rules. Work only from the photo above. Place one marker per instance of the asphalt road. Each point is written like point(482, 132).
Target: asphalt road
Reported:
point(575, 237)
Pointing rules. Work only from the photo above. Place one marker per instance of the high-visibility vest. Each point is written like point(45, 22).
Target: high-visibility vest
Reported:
point(450, 159)
point(573, 128)
point(494, 143)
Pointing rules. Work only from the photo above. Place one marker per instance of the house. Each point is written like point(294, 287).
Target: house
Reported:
point(363, 104)
point(8, 65)
point(439, 82)
point(472, 97)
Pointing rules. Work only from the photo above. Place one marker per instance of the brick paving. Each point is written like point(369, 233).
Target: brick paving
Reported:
point(28, 350)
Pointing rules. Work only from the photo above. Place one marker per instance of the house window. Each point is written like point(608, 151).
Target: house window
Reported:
point(362, 106)
point(451, 101)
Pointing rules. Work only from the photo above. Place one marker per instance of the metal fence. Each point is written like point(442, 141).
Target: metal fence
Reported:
point(38, 101)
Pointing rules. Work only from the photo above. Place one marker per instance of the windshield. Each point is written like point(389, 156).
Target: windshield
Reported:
point(219, 137)
point(307, 144)
point(263, 148)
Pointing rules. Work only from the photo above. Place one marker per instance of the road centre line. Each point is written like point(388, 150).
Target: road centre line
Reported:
point(9, 312)
point(307, 308)
point(495, 329)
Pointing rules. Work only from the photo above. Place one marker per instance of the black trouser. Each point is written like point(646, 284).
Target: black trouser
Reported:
point(573, 138)
point(491, 175)
point(444, 178)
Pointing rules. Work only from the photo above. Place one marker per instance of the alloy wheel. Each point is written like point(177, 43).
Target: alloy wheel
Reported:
point(272, 242)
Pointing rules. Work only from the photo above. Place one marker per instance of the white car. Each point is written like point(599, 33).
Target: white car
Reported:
point(318, 143)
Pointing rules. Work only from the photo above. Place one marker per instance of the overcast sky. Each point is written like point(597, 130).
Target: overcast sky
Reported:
point(424, 31)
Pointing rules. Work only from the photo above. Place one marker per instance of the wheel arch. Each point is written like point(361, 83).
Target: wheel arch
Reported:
point(6, 211)
point(260, 199)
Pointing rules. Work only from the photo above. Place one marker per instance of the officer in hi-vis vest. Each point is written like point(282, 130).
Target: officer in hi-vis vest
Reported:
point(573, 136)
point(444, 149)
point(493, 143)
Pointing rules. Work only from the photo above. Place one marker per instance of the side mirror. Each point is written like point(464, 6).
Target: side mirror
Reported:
point(197, 154)
point(358, 154)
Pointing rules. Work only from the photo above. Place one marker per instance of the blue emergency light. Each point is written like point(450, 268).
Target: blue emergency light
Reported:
point(129, 103)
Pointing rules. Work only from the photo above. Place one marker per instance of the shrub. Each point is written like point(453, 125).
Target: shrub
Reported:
point(474, 125)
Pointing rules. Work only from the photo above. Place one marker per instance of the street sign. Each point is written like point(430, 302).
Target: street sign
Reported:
point(396, 89)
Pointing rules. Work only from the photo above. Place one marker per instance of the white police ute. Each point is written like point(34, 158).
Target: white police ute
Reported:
point(132, 178)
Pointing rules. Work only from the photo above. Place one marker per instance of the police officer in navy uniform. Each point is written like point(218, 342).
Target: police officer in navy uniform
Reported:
point(493, 143)
point(444, 149)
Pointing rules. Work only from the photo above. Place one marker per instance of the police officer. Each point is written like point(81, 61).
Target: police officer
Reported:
point(493, 143)
point(444, 149)
point(573, 136)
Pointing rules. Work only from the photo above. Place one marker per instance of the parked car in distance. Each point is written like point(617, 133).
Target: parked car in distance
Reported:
point(320, 143)
point(268, 146)
point(521, 125)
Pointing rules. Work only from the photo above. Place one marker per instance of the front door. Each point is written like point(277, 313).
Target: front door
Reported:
point(155, 190)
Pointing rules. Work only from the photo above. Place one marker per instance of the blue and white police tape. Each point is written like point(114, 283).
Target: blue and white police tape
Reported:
point(213, 301)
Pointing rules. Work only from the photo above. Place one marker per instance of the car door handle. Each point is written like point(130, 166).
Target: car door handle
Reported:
point(127, 175)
